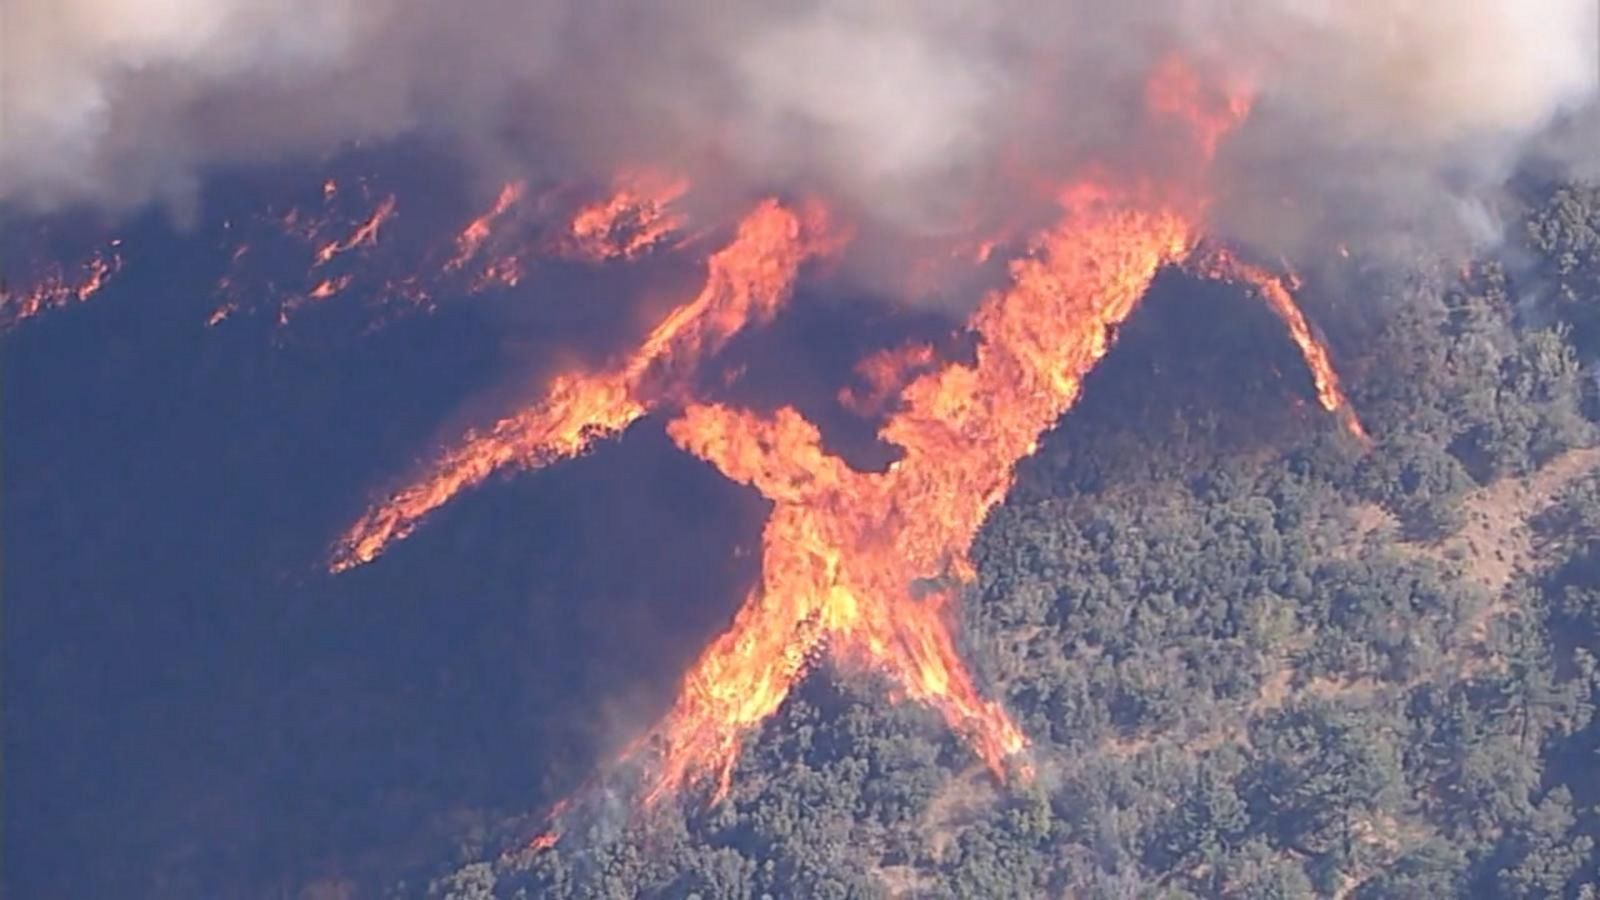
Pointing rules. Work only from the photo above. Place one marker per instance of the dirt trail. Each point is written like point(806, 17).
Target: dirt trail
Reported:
point(1496, 541)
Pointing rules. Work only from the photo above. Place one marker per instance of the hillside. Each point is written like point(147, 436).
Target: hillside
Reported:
point(1255, 658)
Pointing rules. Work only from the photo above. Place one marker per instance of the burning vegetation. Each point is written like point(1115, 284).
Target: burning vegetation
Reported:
point(860, 565)
point(58, 286)
point(746, 282)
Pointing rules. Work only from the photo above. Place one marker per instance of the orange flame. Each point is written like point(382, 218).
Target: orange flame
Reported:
point(57, 289)
point(365, 234)
point(844, 550)
point(551, 835)
point(745, 284)
point(1176, 90)
point(478, 230)
point(505, 271)
point(883, 374)
point(1222, 264)
point(483, 256)
point(327, 287)
point(633, 221)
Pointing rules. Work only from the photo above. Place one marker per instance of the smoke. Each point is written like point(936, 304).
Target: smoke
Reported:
point(918, 116)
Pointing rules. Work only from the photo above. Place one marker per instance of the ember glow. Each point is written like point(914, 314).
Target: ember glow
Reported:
point(364, 235)
point(59, 287)
point(1175, 92)
point(472, 238)
point(343, 239)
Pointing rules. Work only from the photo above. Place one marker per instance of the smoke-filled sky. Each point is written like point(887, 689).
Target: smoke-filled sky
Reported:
point(919, 115)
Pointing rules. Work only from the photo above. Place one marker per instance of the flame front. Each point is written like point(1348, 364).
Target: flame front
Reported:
point(1222, 264)
point(1175, 92)
point(364, 235)
point(57, 288)
point(478, 230)
point(343, 239)
point(746, 282)
point(845, 551)
point(865, 564)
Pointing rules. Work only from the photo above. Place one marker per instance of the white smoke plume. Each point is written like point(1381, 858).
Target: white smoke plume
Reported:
point(1370, 114)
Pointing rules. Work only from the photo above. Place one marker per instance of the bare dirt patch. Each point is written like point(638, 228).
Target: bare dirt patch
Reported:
point(1496, 544)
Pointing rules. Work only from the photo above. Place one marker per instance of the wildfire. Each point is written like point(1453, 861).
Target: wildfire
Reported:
point(57, 288)
point(479, 229)
point(633, 221)
point(505, 270)
point(1222, 264)
point(332, 267)
point(883, 374)
point(365, 234)
point(746, 282)
point(844, 550)
point(340, 238)
point(861, 565)
point(327, 287)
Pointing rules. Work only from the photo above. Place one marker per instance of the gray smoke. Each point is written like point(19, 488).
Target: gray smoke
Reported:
point(1372, 116)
